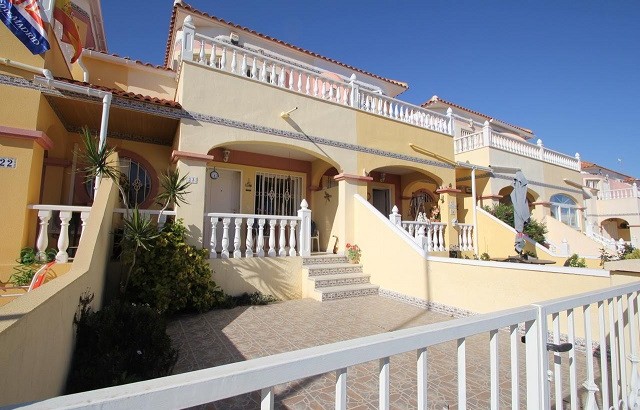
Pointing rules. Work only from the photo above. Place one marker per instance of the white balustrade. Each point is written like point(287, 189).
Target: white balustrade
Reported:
point(308, 80)
point(465, 237)
point(63, 219)
point(614, 329)
point(516, 145)
point(284, 235)
point(429, 235)
point(623, 193)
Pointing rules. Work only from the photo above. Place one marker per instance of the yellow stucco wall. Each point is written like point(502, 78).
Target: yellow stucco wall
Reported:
point(36, 330)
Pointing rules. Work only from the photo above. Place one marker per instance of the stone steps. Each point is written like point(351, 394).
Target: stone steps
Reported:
point(332, 277)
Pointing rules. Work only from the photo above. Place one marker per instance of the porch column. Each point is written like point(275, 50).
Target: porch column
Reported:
point(21, 165)
point(348, 186)
point(192, 213)
point(541, 209)
point(449, 213)
point(634, 232)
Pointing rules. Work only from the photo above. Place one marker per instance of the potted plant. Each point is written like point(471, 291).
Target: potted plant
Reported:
point(353, 253)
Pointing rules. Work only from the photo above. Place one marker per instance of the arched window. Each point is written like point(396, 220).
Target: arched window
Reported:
point(564, 209)
point(137, 184)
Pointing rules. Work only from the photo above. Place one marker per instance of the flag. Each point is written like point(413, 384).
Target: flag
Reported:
point(62, 13)
point(24, 19)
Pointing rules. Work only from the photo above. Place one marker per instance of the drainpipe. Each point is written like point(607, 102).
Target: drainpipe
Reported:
point(475, 211)
point(33, 69)
point(92, 92)
point(85, 72)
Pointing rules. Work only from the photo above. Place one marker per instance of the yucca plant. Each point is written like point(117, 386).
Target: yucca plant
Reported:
point(174, 190)
point(138, 234)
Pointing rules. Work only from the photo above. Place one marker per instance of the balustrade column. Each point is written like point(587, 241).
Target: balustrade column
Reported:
point(469, 238)
point(292, 237)
point(237, 253)
point(441, 238)
point(249, 243)
point(395, 217)
point(486, 134)
point(260, 246)
point(450, 122)
point(212, 241)
point(304, 213)
point(272, 237)
point(63, 239)
point(43, 234)
point(282, 241)
point(188, 34)
point(84, 217)
point(429, 238)
point(225, 238)
point(353, 97)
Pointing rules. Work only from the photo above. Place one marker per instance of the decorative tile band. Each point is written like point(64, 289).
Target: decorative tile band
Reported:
point(176, 113)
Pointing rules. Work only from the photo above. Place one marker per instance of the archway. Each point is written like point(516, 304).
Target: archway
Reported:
point(505, 193)
point(616, 228)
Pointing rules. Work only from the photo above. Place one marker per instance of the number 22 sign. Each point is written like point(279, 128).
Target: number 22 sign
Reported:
point(7, 162)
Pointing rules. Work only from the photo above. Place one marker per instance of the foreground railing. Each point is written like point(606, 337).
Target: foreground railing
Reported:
point(63, 218)
point(490, 138)
point(632, 192)
point(257, 64)
point(258, 235)
point(616, 327)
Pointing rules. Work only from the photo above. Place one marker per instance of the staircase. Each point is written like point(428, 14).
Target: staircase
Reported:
point(331, 277)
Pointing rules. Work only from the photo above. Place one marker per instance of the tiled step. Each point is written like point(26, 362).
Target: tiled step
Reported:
point(333, 269)
point(321, 259)
point(348, 291)
point(344, 279)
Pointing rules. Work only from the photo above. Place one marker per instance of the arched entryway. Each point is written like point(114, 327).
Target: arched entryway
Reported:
point(616, 228)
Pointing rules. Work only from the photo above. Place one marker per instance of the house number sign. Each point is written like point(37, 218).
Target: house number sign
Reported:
point(6, 162)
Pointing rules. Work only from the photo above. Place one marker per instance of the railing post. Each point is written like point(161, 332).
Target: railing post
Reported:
point(237, 253)
point(43, 234)
point(249, 243)
point(63, 239)
point(188, 34)
point(213, 239)
point(353, 97)
point(84, 217)
point(450, 122)
point(304, 213)
point(486, 134)
point(540, 149)
point(395, 217)
point(537, 361)
point(225, 238)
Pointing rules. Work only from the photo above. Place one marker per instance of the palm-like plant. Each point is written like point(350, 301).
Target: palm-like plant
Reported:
point(174, 190)
point(138, 234)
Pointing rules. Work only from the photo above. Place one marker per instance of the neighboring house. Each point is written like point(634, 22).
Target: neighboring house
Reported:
point(613, 204)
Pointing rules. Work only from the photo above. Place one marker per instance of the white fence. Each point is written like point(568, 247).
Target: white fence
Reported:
point(616, 326)
point(632, 192)
point(428, 235)
point(490, 138)
point(258, 235)
point(256, 64)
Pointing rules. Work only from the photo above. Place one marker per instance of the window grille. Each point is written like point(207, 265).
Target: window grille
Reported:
point(277, 194)
point(137, 181)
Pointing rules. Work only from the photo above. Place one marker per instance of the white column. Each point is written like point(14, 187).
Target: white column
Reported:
point(212, 241)
point(63, 239)
point(292, 237)
point(442, 246)
point(304, 213)
point(260, 246)
point(395, 217)
point(450, 122)
point(249, 243)
point(486, 134)
point(282, 240)
point(188, 34)
point(225, 238)
point(272, 237)
point(237, 253)
point(43, 234)
point(84, 217)
point(474, 209)
point(353, 97)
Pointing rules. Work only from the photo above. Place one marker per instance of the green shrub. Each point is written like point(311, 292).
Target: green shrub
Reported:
point(485, 257)
point(634, 254)
point(172, 276)
point(122, 343)
point(29, 263)
point(575, 261)
point(246, 299)
point(534, 229)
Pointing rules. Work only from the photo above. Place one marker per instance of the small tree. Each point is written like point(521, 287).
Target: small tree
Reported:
point(534, 229)
point(174, 190)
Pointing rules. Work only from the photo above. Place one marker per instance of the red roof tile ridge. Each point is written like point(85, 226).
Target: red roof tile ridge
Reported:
point(188, 7)
point(122, 93)
point(435, 99)
point(146, 64)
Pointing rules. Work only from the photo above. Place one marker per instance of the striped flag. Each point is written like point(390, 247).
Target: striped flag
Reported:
point(62, 13)
point(24, 19)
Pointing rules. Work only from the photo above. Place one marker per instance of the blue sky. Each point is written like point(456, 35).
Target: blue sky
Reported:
point(568, 70)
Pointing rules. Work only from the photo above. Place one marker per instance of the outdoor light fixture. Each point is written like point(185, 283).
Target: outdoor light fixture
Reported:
point(285, 114)
point(225, 155)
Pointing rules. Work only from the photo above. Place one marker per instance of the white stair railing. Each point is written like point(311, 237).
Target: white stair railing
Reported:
point(465, 236)
point(609, 316)
point(429, 235)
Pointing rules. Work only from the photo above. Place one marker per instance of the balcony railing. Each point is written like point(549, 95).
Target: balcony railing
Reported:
point(256, 64)
point(604, 318)
point(492, 139)
point(428, 235)
point(632, 192)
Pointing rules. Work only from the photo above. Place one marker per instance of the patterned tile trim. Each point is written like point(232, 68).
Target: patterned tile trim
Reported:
point(508, 178)
point(458, 313)
point(323, 283)
point(169, 112)
point(335, 271)
point(324, 260)
point(349, 293)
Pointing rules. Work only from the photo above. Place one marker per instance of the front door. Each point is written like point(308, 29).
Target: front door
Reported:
point(223, 196)
point(381, 200)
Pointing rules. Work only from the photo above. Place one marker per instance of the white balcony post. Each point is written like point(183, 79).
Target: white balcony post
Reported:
point(213, 240)
point(441, 246)
point(304, 213)
point(395, 217)
point(282, 240)
point(260, 246)
point(540, 149)
point(63, 239)
point(292, 237)
point(537, 362)
point(43, 234)
point(237, 253)
point(450, 122)
point(84, 217)
point(225, 238)
point(420, 238)
point(486, 134)
point(272, 237)
point(353, 97)
point(249, 243)
point(188, 34)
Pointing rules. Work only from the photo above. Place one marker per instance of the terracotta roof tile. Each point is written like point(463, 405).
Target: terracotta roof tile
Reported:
point(435, 99)
point(284, 43)
point(159, 67)
point(125, 94)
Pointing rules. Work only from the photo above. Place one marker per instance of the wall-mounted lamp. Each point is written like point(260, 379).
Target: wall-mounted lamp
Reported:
point(285, 114)
point(383, 176)
point(225, 155)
